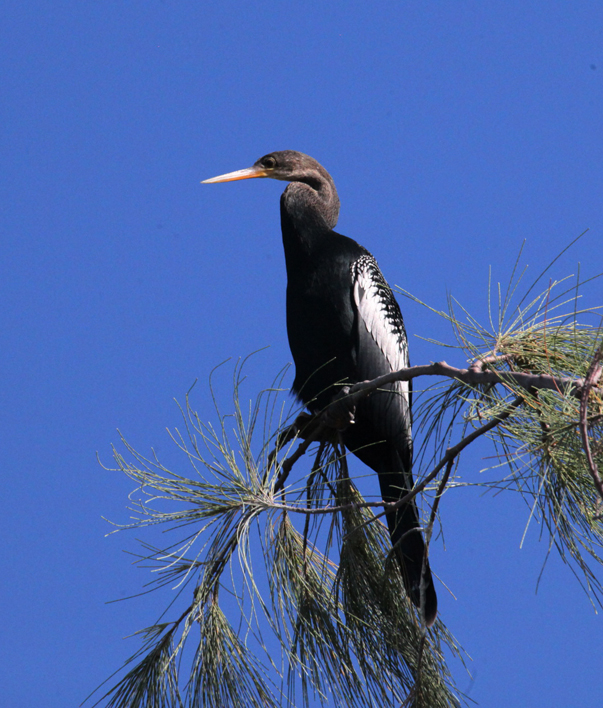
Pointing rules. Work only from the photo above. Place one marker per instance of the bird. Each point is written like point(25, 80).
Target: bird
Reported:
point(345, 326)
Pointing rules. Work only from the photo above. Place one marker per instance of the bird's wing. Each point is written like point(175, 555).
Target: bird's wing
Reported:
point(381, 436)
point(386, 348)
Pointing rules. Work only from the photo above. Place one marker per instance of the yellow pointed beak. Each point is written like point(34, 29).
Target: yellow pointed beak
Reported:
point(247, 173)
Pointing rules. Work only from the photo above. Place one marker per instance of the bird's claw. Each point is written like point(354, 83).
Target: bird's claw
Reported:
point(340, 414)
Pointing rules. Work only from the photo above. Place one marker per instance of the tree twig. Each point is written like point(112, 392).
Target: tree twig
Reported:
point(591, 380)
point(288, 462)
point(471, 376)
point(425, 566)
point(480, 364)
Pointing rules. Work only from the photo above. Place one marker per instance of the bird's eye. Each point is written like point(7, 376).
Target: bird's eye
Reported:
point(270, 163)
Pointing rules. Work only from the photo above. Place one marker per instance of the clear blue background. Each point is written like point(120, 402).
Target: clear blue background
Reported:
point(453, 130)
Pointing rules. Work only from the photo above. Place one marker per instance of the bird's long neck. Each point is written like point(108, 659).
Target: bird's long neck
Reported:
point(309, 211)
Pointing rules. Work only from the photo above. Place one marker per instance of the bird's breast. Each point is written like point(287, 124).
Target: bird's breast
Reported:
point(320, 323)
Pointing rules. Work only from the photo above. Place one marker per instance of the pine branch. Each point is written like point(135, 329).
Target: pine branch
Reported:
point(472, 376)
point(346, 630)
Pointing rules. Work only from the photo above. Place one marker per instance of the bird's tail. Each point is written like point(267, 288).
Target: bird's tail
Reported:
point(409, 546)
point(391, 461)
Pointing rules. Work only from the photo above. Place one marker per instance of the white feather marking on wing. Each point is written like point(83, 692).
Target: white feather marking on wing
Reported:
point(380, 314)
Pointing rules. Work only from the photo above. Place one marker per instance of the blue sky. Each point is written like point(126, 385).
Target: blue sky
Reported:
point(454, 131)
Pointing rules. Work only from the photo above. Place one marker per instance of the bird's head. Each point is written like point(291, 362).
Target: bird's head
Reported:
point(286, 165)
point(320, 201)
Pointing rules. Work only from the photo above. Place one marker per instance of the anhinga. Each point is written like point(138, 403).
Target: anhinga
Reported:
point(345, 326)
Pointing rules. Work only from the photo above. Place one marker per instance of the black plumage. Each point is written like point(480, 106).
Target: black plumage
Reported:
point(345, 326)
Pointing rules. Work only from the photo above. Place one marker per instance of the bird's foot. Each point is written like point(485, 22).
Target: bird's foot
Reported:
point(340, 414)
